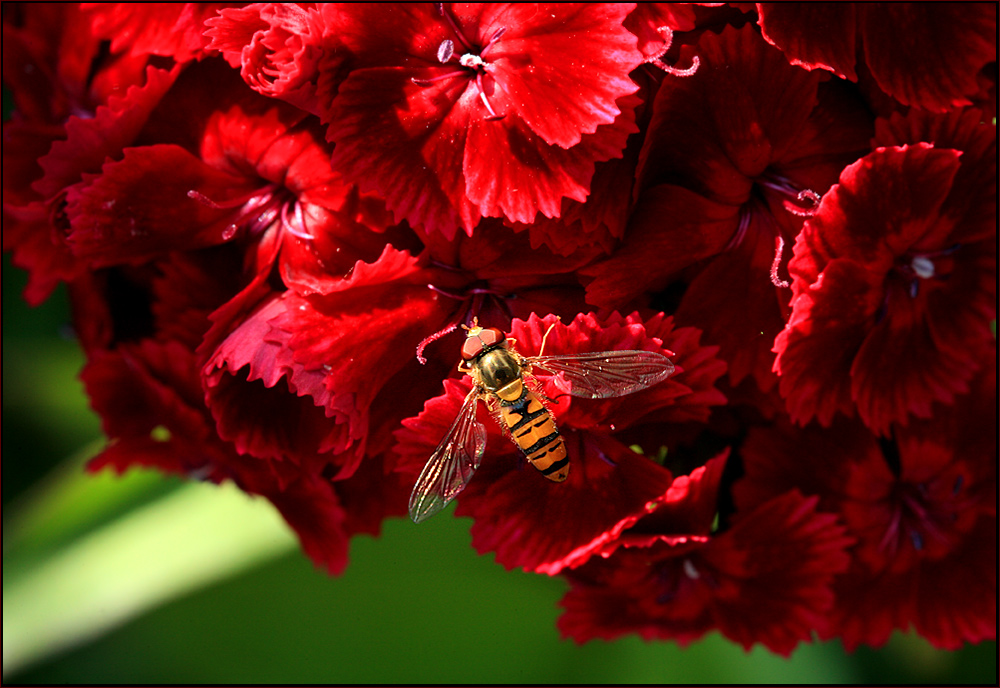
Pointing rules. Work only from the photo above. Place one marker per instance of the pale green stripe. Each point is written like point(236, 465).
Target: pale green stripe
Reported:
point(192, 537)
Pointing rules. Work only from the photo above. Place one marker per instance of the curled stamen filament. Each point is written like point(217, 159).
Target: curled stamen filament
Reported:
point(779, 244)
point(784, 186)
point(432, 338)
point(300, 222)
point(657, 59)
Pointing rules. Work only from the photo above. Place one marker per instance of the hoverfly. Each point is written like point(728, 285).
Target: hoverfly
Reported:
point(498, 378)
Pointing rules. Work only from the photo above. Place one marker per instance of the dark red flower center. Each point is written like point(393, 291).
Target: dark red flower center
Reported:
point(916, 266)
point(923, 515)
point(677, 574)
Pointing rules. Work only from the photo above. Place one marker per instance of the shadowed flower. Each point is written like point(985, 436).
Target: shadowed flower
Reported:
point(892, 292)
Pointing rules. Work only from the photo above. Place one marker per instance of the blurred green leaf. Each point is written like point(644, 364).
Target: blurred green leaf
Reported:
point(194, 536)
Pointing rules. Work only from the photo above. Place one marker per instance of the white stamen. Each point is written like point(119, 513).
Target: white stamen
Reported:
point(472, 61)
point(923, 266)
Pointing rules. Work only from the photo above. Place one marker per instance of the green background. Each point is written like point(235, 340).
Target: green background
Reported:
point(220, 592)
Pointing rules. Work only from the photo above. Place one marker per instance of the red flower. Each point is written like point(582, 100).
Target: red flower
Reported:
point(892, 292)
point(256, 211)
point(274, 45)
point(765, 580)
point(730, 152)
point(477, 110)
point(610, 485)
point(922, 507)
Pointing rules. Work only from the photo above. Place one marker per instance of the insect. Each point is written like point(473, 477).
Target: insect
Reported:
point(501, 377)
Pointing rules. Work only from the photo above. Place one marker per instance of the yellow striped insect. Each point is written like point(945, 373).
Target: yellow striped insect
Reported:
point(498, 374)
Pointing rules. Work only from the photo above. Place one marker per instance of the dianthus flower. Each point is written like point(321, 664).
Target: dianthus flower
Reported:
point(272, 219)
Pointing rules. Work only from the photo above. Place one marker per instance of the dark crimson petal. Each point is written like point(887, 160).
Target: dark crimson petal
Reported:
point(687, 510)
point(37, 247)
point(601, 218)
point(816, 350)
point(133, 210)
point(886, 204)
point(563, 68)
point(647, 17)
point(541, 526)
point(171, 455)
point(960, 594)
point(972, 201)
point(699, 228)
point(793, 553)
point(340, 348)
point(946, 46)
point(90, 142)
point(743, 322)
point(719, 129)
point(136, 388)
point(261, 399)
point(170, 29)
point(813, 34)
point(900, 367)
point(766, 580)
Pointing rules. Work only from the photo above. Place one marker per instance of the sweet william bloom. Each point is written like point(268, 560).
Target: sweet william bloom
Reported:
point(888, 270)
point(735, 156)
point(457, 112)
point(57, 82)
point(276, 47)
point(923, 54)
point(541, 526)
point(766, 579)
point(144, 381)
point(921, 506)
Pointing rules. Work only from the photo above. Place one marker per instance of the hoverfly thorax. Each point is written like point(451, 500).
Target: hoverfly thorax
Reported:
point(494, 367)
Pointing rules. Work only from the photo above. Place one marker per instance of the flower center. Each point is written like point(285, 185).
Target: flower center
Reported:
point(260, 210)
point(469, 60)
point(917, 266)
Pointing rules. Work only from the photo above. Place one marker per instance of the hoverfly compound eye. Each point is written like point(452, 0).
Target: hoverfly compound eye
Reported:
point(480, 339)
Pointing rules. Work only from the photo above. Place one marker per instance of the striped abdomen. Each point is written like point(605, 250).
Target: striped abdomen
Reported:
point(534, 431)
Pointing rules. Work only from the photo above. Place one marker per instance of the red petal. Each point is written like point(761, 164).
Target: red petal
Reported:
point(699, 228)
point(90, 142)
point(259, 397)
point(128, 212)
point(946, 46)
point(406, 142)
point(813, 34)
point(562, 69)
point(172, 30)
point(276, 46)
point(512, 504)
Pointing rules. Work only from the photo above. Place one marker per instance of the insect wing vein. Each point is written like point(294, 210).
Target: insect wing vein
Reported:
point(452, 464)
point(603, 374)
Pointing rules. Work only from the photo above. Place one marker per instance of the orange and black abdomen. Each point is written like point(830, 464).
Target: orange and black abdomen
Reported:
point(534, 431)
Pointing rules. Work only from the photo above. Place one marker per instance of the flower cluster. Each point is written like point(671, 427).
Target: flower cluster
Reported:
point(266, 214)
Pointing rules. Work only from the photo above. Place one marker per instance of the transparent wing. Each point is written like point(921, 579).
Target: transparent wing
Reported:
point(604, 374)
point(451, 465)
